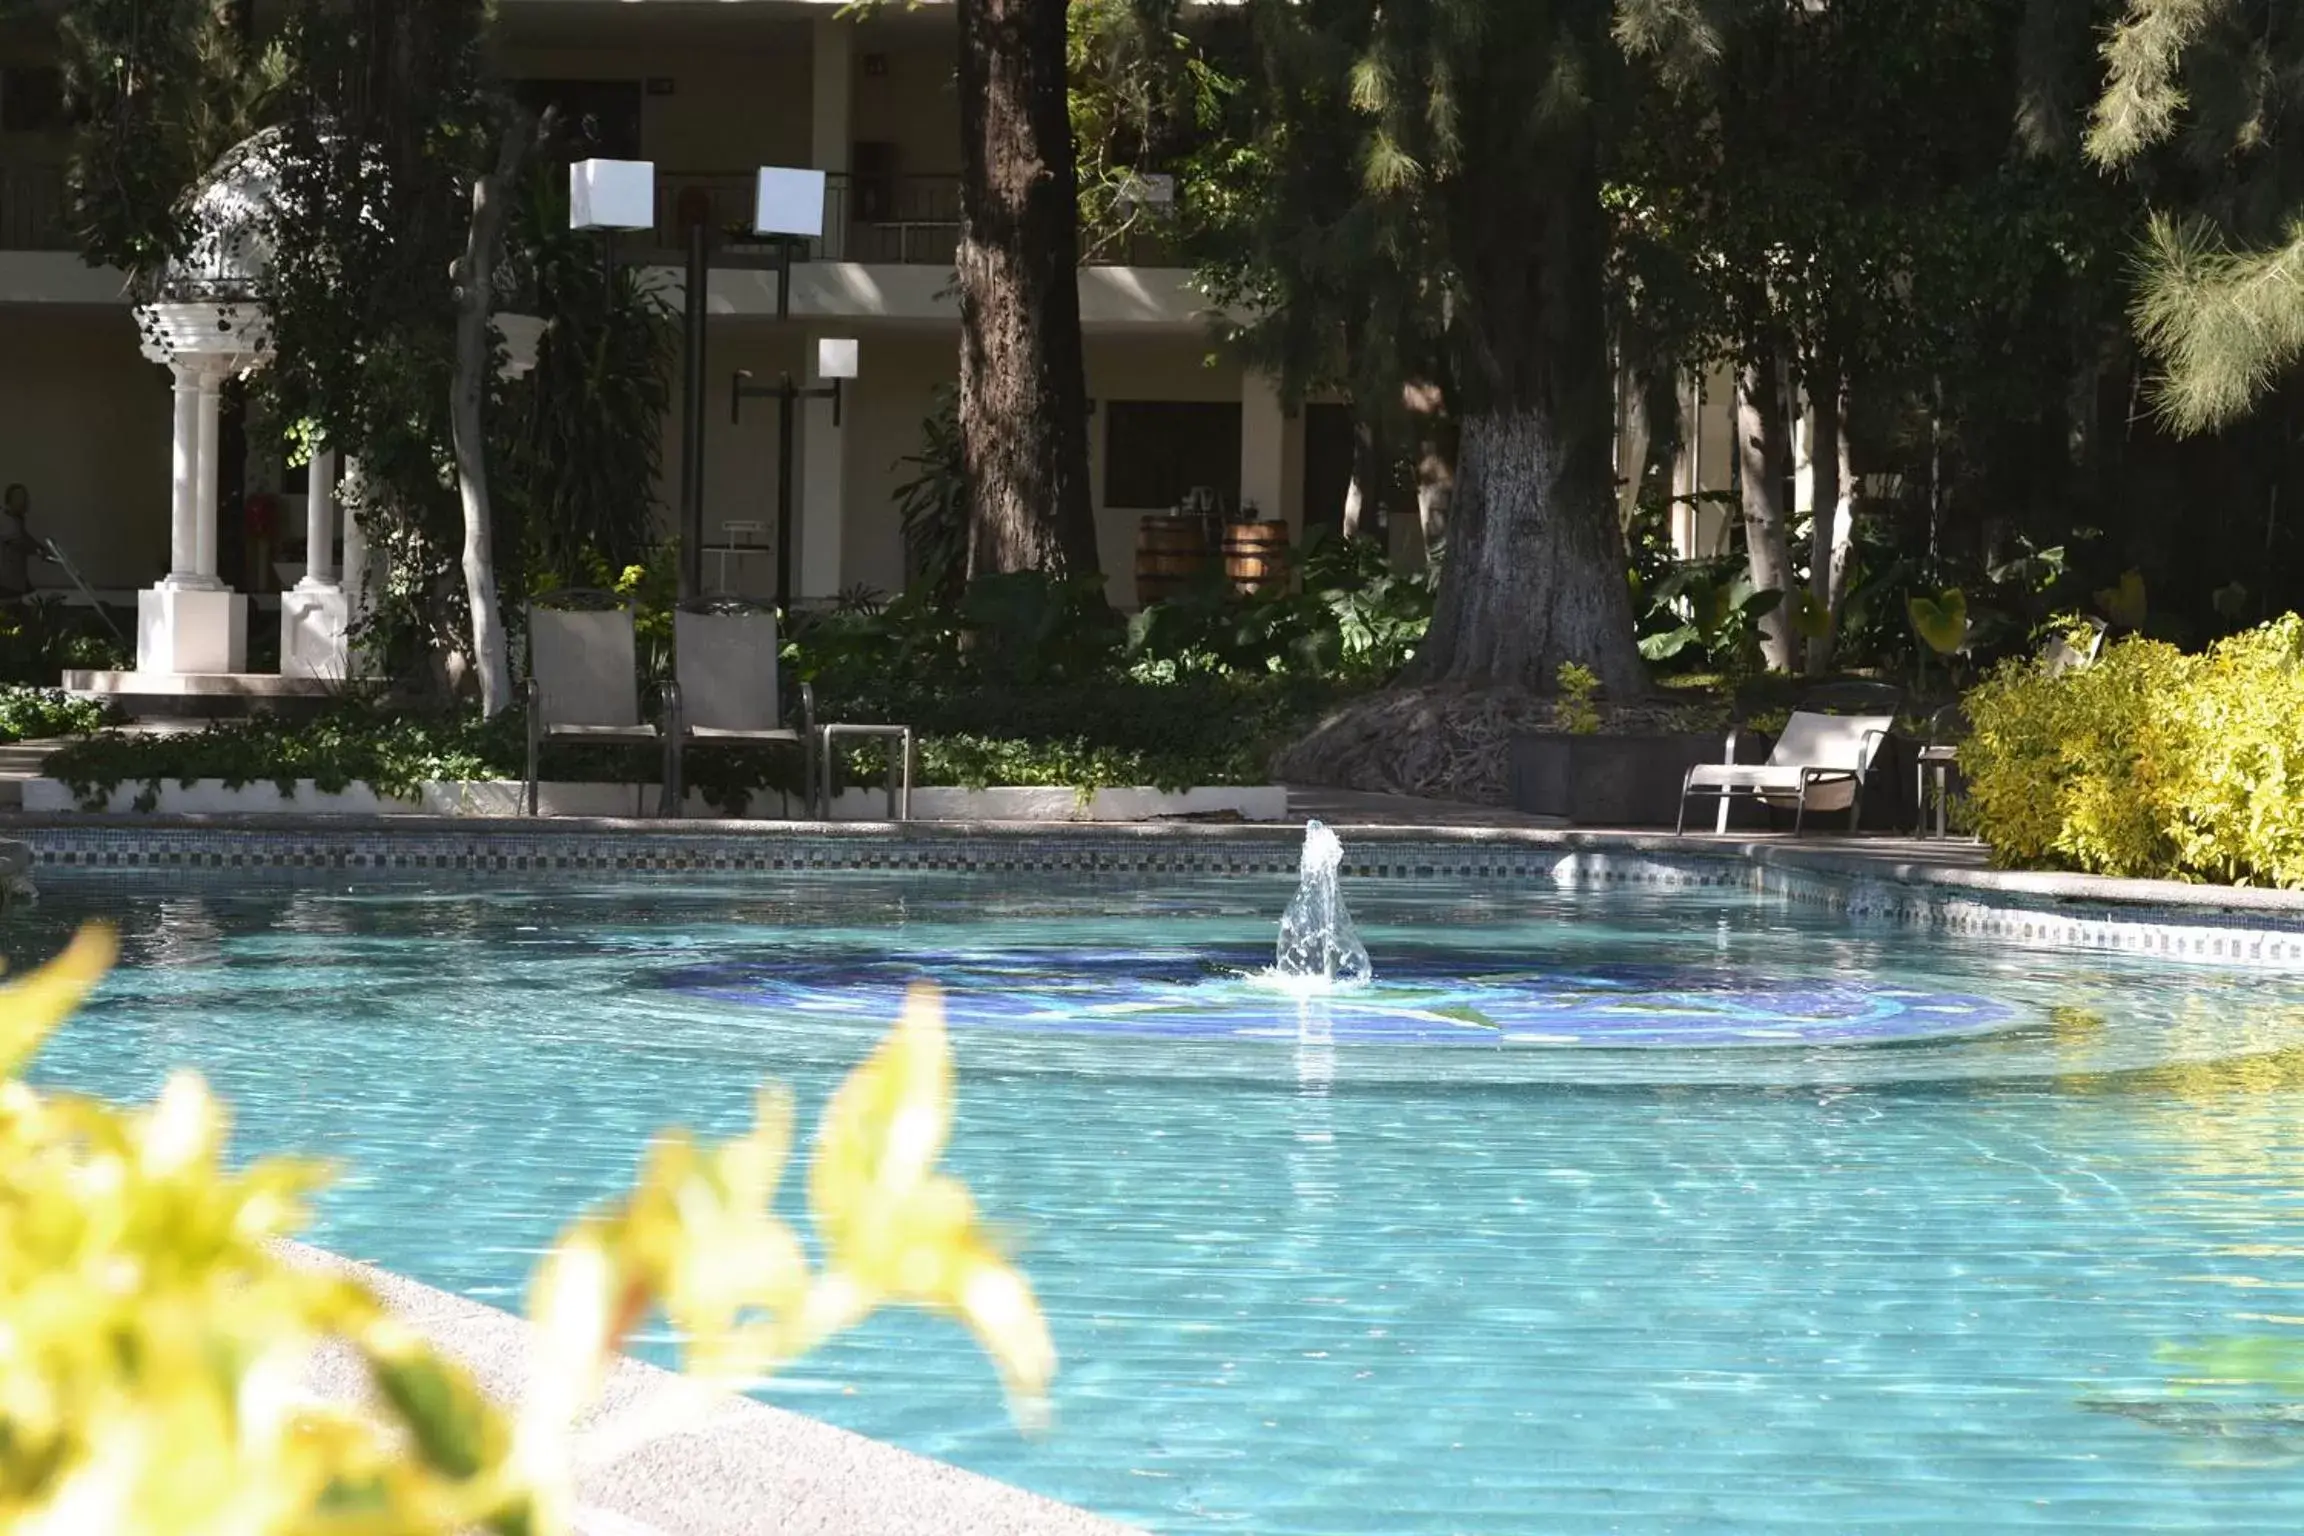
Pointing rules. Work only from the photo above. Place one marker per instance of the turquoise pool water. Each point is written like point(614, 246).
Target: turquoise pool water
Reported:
point(1635, 1211)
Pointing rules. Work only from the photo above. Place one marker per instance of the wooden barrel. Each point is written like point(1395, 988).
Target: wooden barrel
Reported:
point(1256, 556)
point(1171, 553)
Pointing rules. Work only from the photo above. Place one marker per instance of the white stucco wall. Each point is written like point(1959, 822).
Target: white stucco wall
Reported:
point(84, 423)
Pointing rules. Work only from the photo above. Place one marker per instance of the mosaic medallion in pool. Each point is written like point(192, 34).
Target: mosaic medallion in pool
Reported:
point(1429, 999)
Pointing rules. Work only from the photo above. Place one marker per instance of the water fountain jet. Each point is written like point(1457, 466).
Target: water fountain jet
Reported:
point(1317, 940)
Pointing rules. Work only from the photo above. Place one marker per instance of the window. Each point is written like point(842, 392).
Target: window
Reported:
point(32, 100)
point(1157, 450)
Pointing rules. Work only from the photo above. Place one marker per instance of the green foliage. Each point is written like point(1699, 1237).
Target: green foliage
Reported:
point(1574, 711)
point(1352, 618)
point(586, 432)
point(2150, 763)
point(43, 636)
point(43, 714)
point(1941, 621)
point(2207, 86)
point(932, 506)
point(2125, 604)
point(1708, 611)
point(1092, 732)
point(162, 91)
point(1027, 627)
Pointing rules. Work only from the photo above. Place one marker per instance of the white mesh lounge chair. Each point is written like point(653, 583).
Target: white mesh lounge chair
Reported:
point(725, 688)
point(584, 683)
point(1820, 764)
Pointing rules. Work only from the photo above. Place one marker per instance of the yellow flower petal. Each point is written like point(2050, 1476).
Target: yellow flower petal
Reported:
point(32, 1007)
point(886, 1126)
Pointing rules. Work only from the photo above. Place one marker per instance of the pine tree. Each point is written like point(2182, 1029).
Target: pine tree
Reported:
point(2201, 101)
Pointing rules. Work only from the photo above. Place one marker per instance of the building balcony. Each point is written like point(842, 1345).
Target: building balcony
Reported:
point(906, 221)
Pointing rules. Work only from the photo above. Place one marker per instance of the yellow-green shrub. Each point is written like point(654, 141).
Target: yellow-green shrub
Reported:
point(2150, 763)
point(153, 1337)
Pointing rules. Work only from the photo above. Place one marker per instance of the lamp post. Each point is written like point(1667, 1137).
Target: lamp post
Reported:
point(836, 361)
point(788, 206)
point(621, 194)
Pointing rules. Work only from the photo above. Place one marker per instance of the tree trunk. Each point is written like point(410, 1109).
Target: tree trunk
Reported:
point(1023, 384)
point(471, 275)
point(1763, 461)
point(1535, 571)
point(1834, 516)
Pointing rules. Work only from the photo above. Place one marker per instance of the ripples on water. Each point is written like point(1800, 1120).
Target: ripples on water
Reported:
point(1992, 1239)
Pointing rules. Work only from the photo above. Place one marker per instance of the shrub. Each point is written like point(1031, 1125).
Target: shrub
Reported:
point(2150, 763)
point(157, 1334)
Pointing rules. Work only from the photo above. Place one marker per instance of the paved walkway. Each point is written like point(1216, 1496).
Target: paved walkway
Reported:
point(1347, 808)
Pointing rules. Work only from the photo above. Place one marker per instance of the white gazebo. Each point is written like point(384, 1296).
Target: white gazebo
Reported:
point(206, 327)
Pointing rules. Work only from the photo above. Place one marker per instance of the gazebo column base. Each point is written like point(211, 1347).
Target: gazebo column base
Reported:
point(191, 629)
point(314, 618)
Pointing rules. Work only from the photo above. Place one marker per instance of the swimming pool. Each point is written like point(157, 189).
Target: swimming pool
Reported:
point(1644, 1210)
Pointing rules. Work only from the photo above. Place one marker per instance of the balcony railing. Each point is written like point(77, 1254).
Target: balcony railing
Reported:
point(894, 220)
point(32, 209)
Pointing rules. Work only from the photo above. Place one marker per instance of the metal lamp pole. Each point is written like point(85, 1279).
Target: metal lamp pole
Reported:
point(787, 394)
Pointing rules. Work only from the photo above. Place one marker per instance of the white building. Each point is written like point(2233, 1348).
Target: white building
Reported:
point(707, 92)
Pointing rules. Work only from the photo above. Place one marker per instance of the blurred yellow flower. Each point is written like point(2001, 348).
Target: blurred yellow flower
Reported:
point(154, 1341)
point(897, 1230)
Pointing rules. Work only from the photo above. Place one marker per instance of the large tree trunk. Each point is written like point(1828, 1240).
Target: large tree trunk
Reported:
point(1535, 573)
point(1764, 462)
point(491, 204)
point(1834, 516)
point(1023, 384)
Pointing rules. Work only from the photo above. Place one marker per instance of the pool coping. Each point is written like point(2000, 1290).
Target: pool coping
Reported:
point(661, 1455)
point(1895, 862)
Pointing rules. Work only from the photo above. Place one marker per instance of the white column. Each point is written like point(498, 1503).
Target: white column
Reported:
point(316, 616)
point(830, 124)
point(1263, 451)
point(320, 522)
point(184, 483)
point(823, 480)
point(210, 398)
point(356, 576)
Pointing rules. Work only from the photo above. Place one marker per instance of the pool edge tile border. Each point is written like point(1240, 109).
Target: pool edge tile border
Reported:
point(2214, 925)
point(715, 1464)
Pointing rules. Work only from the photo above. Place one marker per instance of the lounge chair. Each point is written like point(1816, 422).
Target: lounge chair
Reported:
point(1819, 764)
point(584, 682)
point(725, 688)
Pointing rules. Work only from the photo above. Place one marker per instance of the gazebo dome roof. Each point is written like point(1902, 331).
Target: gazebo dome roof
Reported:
point(231, 248)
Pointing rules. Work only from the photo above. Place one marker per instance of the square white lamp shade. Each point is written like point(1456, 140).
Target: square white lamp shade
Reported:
point(789, 203)
point(835, 357)
point(612, 194)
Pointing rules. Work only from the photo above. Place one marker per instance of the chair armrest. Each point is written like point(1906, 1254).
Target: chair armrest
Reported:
point(675, 708)
point(807, 709)
point(1733, 732)
point(1868, 749)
